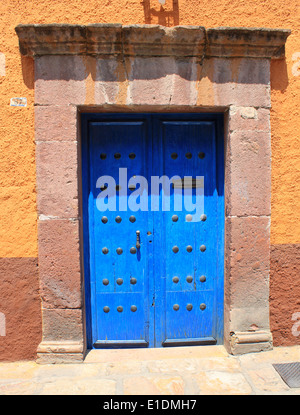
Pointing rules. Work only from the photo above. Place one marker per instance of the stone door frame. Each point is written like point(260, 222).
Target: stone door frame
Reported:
point(147, 68)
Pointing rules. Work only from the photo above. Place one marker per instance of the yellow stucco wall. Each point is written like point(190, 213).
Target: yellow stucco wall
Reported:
point(18, 236)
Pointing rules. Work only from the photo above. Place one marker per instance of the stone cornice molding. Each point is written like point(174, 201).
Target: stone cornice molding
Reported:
point(151, 40)
point(244, 42)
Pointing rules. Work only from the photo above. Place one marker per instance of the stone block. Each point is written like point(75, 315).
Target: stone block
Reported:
point(267, 380)
point(108, 73)
point(150, 82)
point(248, 174)
point(153, 385)
point(62, 324)
point(249, 119)
point(238, 82)
point(60, 80)
point(57, 185)
point(222, 383)
point(247, 273)
point(242, 94)
point(59, 263)
point(79, 386)
point(55, 123)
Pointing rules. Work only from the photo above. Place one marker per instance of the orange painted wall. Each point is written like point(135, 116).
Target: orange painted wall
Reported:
point(18, 236)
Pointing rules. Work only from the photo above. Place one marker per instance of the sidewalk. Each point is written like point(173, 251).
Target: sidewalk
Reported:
point(172, 371)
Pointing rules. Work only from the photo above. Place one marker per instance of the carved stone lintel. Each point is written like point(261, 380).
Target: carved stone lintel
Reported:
point(150, 40)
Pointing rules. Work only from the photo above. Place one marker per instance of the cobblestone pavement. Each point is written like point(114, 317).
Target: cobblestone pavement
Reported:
point(176, 371)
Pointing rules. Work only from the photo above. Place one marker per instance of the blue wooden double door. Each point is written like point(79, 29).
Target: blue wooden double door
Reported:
point(153, 265)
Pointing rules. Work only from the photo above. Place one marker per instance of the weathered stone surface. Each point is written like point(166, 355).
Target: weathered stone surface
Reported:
point(128, 367)
point(18, 388)
point(62, 324)
point(60, 351)
point(252, 42)
point(237, 82)
point(59, 264)
point(150, 83)
point(80, 387)
point(104, 39)
point(222, 383)
point(250, 318)
point(247, 281)
point(108, 39)
point(179, 366)
point(240, 71)
point(251, 373)
point(248, 173)
point(267, 380)
point(57, 38)
point(227, 364)
point(48, 373)
point(162, 81)
point(17, 371)
point(253, 361)
point(57, 182)
point(55, 123)
point(111, 355)
point(242, 94)
point(153, 385)
point(247, 263)
point(63, 346)
point(251, 341)
point(156, 40)
point(59, 358)
point(191, 365)
point(249, 119)
point(107, 78)
point(184, 84)
point(60, 80)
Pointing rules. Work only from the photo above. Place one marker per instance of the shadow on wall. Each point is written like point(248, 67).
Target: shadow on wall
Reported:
point(162, 17)
point(223, 72)
point(279, 75)
point(28, 71)
point(218, 70)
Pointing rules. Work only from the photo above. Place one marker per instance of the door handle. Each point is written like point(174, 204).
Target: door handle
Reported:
point(138, 239)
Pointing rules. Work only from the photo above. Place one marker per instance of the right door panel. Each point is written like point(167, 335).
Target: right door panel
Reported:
point(188, 244)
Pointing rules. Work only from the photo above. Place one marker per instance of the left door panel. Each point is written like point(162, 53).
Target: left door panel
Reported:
point(120, 286)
